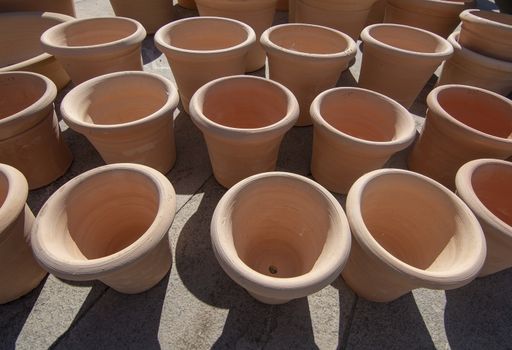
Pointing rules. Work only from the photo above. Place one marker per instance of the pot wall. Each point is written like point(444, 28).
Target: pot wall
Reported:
point(151, 14)
point(60, 6)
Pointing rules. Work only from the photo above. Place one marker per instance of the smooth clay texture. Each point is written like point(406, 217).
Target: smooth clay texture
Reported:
point(66, 7)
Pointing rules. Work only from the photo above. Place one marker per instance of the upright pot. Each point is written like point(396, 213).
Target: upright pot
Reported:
point(398, 60)
point(258, 14)
point(152, 14)
point(202, 49)
point(280, 236)
point(463, 123)
point(66, 7)
point(355, 131)
point(243, 120)
point(19, 272)
point(402, 243)
point(30, 138)
point(95, 46)
point(486, 187)
point(111, 224)
point(127, 116)
point(307, 59)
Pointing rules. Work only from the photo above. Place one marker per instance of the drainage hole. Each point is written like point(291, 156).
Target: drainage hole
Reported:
point(272, 269)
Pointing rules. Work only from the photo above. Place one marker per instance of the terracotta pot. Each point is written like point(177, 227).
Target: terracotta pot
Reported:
point(189, 4)
point(19, 272)
point(127, 116)
point(307, 59)
point(463, 123)
point(22, 50)
point(60, 6)
point(259, 14)
point(356, 131)
point(402, 243)
point(282, 5)
point(488, 33)
point(377, 13)
point(347, 16)
point(110, 224)
point(470, 68)
point(95, 46)
point(30, 138)
point(280, 236)
point(292, 5)
point(437, 16)
point(399, 60)
point(504, 5)
point(151, 14)
point(243, 120)
point(202, 49)
point(486, 187)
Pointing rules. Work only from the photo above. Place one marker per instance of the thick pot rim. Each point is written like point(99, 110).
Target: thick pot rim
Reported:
point(16, 197)
point(470, 16)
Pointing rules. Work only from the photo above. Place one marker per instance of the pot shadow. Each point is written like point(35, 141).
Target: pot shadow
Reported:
point(419, 107)
point(149, 52)
point(295, 151)
point(479, 315)
point(347, 79)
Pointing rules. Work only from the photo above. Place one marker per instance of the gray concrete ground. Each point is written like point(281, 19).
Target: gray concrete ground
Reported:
point(197, 306)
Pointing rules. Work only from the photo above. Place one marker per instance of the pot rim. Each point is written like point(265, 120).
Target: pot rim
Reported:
point(204, 123)
point(70, 99)
point(465, 190)
point(350, 51)
point(372, 247)
point(94, 268)
point(470, 16)
point(255, 4)
point(15, 200)
point(281, 288)
point(426, 3)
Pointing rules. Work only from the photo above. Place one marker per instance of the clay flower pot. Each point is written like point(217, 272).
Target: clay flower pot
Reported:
point(467, 67)
point(19, 272)
point(402, 243)
point(463, 123)
point(486, 187)
point(127, 116)
point(437, 16)
point(189, 4)
point(110, 224)
point(30, 138)
point(22, 50)
point(292, 5)
point(282, 5)
point(258, 14)
point(307, 59)
point(95, 46)
point(488, 33)
point(152, 14)
point(202, 49)
point(355, 131)
point(243, 120)
point(280, 236)
point(347, 16)
point(377, 13)
point(398, 60)
point(60, 6)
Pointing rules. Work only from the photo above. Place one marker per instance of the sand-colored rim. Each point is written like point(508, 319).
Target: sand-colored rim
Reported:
point(15, 200)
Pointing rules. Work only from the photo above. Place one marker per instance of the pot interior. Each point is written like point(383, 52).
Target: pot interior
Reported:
point(18, 92)
point(409, 39)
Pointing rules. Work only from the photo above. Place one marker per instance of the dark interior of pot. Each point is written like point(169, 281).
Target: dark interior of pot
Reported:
point(96, 31)
point(309, 39)
point(408, 39)
point(18, 92)
point(245, 103)
point(280, 226)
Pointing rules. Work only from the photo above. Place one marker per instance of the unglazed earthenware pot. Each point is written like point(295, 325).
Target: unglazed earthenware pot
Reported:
point(22, 50)
point(202, 49)
point(30, 138)
point(463, 123)
point(347, 16)
point(127, 116)
point(243, 120)
point(66, 7)
point(398, 60)
point(189, 4)
point(437, 16)
point(259, 14)
point(19, 272)
point(111, 224)
point(409, 232)
point(152, 14)
point(470, 68)
point(307, 59)
point(355, 131)
point(91, 47)
point(486, 187)
point(280, 236)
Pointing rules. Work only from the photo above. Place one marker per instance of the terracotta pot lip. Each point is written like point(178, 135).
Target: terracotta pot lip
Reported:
point(161, 43)
point(428, 3)
point(351, 49)
point(370, 245)
point(466, 190)
point(90, 269)
point(252, 279)
point(434, 105)
point(445, 51)
point(255, 4)
point(16, 197)
point(471, 15)
point(129, 40)
point(403, 113)
point(204, 123)
point(73, 95)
